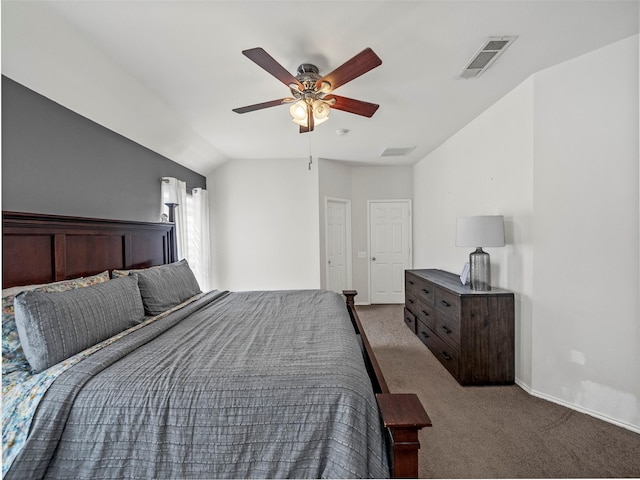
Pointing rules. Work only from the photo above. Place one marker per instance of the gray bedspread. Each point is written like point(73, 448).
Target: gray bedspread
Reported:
point(237, 385)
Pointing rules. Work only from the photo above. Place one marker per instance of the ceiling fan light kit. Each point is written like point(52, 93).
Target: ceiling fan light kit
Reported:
point(312, 93)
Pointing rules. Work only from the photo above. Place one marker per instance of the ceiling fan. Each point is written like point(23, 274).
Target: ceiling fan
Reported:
point(312, 93)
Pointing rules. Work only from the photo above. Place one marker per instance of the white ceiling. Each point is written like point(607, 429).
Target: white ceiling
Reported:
point(166, 74)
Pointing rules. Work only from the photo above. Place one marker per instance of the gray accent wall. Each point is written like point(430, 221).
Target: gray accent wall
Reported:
point(56, 161)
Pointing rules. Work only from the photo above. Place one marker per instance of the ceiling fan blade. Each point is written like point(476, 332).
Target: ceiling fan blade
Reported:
point(350, 105)
point(260, 106)
point(267, 62)
point(358, 65)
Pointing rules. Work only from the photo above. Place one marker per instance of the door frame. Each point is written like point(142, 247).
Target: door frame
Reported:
point(410, 226)
point(347, 234)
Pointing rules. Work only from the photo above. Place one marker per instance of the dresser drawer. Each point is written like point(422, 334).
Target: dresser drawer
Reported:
point(448, 328)
point(410, 320)
point(410, 283)
point(426, 314)
point(421, 288)
point(447, 355)
point(424, 334)
point(411, 301)
point(448, 303)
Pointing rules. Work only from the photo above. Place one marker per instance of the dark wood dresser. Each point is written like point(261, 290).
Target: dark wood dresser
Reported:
point(471, 333)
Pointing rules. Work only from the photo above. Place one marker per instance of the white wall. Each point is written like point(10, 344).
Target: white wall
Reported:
point(485, 169)
point(360, 184)
point(265, 225)
point(558, 156)
point(267, 216)
point(334, 182)
point(372, 183)
point(586, 332)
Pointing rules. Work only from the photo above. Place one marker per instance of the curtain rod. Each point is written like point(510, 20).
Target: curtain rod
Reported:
point(189, 189)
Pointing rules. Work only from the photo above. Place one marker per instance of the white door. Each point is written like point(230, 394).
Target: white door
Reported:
point(390, 249)
point(337, 233)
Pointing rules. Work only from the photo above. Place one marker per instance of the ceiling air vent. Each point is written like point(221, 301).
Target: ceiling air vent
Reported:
point(489, 53)
point(397, 151)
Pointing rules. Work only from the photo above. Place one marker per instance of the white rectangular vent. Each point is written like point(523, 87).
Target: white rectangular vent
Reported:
point(397, 151)
point(489, 53)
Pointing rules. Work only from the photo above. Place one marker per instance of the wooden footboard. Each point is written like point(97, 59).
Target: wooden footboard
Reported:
point(402, 413)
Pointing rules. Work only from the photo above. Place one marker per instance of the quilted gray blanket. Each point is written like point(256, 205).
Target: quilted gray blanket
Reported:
point(239, 385)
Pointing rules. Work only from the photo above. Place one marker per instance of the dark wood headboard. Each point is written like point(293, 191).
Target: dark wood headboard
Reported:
point(40, 248)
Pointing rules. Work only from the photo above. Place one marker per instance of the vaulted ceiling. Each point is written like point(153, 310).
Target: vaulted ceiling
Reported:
point(167, 74)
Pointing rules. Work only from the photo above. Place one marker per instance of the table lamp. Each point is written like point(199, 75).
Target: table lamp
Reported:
point(480, 231)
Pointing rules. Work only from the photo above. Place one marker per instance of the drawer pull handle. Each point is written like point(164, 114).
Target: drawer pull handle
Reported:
point(410, 282)
point(446, 356)
point(410, 300)
point(424, 313)
point(425, 291)
point(445, 303)
point(446, 329)
point(424, 334)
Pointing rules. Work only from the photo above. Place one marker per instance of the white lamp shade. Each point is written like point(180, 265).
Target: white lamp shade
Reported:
point(299, 112)
point(480, 231)
point(320, 110)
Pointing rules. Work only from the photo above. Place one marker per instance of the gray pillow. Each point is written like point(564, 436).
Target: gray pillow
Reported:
point(166, 286)
point(56, 325)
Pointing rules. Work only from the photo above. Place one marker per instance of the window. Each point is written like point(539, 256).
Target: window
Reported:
point(192, 226)
point(197, 237)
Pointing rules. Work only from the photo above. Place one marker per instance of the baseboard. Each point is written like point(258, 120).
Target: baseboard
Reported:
point(577, 408)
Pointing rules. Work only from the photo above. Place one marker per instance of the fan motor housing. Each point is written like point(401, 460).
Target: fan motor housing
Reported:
point(308, 75)
point(308, 68)
point(308, 72)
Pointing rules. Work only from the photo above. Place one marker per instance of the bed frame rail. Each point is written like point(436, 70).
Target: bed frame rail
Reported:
point(402, 413)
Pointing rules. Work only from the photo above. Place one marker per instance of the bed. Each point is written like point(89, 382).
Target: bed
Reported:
point(178, 383)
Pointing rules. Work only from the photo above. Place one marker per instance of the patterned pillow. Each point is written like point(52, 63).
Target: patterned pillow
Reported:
point(166, 286)
point(123, 273)
point(13, 358)
point(54, 326)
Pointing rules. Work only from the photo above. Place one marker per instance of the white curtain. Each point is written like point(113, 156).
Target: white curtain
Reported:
point(199, 237)
point(192, 226)
point(175, 191)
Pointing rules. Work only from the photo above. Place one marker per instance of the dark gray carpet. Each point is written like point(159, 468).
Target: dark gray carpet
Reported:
point(493, 432)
